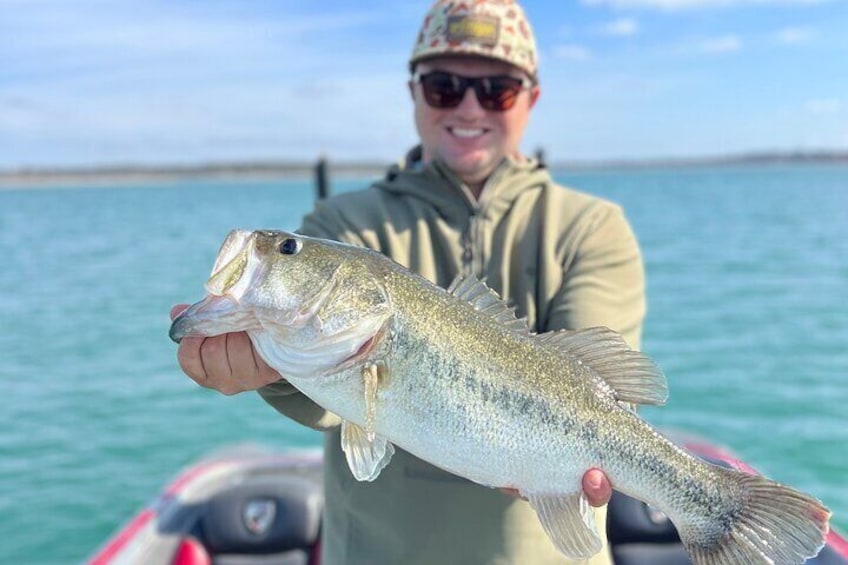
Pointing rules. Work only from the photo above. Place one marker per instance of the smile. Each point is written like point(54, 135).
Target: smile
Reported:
point(467, 133)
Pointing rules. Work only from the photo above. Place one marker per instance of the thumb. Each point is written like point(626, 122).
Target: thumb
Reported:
point(178, 309)
point(597, 487)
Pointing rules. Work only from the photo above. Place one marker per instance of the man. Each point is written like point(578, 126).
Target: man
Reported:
point(465, 202)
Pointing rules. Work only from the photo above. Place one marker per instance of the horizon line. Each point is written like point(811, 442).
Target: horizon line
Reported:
point(306, 167)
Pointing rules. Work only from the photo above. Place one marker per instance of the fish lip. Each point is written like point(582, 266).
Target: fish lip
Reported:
point(237, 256)
point(234, 243)
point(222, 310)
point(204, 318)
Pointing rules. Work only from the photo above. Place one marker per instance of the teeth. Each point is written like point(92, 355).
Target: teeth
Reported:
point(462, 132)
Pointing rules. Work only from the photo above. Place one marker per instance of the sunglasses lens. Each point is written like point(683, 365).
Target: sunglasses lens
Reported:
point(442, 90)
point(445, 90)
point(498, 93)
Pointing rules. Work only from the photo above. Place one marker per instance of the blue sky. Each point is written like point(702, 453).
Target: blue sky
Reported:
point(93, 82)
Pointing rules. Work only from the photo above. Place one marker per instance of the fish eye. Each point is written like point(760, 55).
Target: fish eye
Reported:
point(290, 246)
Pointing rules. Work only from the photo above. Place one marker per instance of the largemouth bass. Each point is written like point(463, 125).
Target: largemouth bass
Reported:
point(454, 378)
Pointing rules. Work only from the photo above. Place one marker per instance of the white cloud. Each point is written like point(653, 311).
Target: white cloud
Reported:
point(721, 44)
point(572, 52)
point(794, 35)
point(823, 106)
point(143, 32)
point(622, 27)
point(149, 81)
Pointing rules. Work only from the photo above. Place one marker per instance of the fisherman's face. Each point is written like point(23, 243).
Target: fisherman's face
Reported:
point(469, 139)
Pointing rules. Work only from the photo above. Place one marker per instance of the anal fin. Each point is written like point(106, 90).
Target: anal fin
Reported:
point(366, 456)
point(569, 521)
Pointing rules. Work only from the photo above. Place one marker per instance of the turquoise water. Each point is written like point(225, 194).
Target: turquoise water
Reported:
point(747, 278)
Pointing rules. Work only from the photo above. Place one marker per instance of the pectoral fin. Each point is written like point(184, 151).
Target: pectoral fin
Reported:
point(365, 457)
point(569, 521)
point(372, 375)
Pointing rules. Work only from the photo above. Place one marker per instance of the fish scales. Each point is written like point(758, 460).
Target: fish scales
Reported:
point(478, 379)
point(497, 379)
point(452, 378)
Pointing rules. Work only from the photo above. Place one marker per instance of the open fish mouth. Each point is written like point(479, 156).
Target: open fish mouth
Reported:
point(221, 311)
point(214, 315)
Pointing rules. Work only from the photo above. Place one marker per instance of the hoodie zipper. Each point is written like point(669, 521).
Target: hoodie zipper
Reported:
point(471, 243)
point(473, 260)
point(473, 256)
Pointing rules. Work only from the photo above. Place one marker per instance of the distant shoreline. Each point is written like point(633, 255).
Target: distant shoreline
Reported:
point(147, 174)
point(126, 175)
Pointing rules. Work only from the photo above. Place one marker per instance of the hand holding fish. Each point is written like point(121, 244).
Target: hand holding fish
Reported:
point(596, 487)
point(226, 363)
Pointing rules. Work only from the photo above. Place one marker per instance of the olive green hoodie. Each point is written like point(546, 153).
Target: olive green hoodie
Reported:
point(563, 258)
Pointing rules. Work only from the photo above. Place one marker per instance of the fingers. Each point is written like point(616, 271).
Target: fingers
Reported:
point(513, 492)
point(215, 359)
point(240, 357)
point(597, 487)
point(188, 355)
point(226, 363)
point(266, 374)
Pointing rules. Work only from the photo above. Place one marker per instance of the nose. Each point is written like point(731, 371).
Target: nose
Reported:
point(470, 107)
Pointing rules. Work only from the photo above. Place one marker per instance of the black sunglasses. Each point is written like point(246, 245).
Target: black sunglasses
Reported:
point(443, 90)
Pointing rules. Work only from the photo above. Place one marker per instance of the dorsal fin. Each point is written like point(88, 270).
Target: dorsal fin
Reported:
point(633, 376)
point(487, 301)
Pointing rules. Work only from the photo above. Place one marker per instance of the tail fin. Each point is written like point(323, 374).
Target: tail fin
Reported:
point(773, 524)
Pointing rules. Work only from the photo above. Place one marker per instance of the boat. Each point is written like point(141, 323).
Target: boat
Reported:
point(247, 505)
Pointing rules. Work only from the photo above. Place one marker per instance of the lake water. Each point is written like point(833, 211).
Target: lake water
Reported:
point(748, 315)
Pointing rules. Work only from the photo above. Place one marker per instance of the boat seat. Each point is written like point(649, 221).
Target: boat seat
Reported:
point(290, 508)
point(640, 535)
point(294, 557)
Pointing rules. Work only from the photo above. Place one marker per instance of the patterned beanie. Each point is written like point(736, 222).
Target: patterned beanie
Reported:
point(496, 29)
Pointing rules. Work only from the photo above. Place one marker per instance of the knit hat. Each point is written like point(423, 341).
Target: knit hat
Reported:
point(497, 29)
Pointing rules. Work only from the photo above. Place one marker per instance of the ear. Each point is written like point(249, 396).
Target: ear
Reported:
point(411, 86)
point(535, 92)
